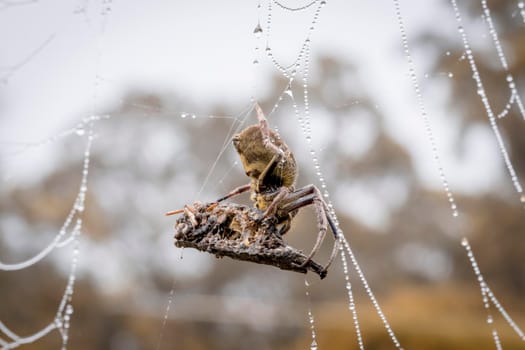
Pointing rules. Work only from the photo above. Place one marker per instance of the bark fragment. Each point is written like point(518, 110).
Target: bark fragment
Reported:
point(239, 232)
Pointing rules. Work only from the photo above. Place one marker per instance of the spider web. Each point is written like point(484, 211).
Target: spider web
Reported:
point(295, 91)
point(299, 70)
point(68, 235)
point(487, 295)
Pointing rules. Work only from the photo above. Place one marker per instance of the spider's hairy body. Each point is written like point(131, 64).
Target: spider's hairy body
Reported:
point(271, 167)
point(256, 156)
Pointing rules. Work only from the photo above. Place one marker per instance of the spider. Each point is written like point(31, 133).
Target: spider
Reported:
point(272, 170)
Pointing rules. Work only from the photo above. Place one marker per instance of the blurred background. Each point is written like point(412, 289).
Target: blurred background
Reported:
point(175, 78)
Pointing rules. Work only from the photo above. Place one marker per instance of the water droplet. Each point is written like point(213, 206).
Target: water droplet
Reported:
point(480, 278)
point(258, 31)
point(314, 345)
point(323, 2)
point(69, 309)
point(183, 115)
point(79, 130)
point(522, 198)
point(464, 242)
point(447, 53)
point(255, 61)
point(450, 74)
point(490, 320)
point(521, 5)
point(455, 213)
point(79, 205)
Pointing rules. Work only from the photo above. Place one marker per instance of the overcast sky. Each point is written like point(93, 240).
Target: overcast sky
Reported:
point(69, 61)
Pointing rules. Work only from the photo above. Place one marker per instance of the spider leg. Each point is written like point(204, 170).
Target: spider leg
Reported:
point(337, 241)
point(294, 202)
point(261, 180)
point(306, 196)
point(321, 219)
point(265, 130)
point(235, 192)
point(272, 208)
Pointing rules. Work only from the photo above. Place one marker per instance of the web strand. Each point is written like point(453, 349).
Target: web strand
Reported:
point(61, 239)
point(235, 127)
point(351, 302)
point(515, 97)
point(10, 71)
point(71, 229)
point(484, 99)
point(62, 319)
point(7, 4)
point(422, 109)
point(302, 64)
point(521, 9)
point(488, 297)
point(311, 319)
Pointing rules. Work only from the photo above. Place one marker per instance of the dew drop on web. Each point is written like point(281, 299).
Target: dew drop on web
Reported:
point(258, 31)
point(80, 131)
